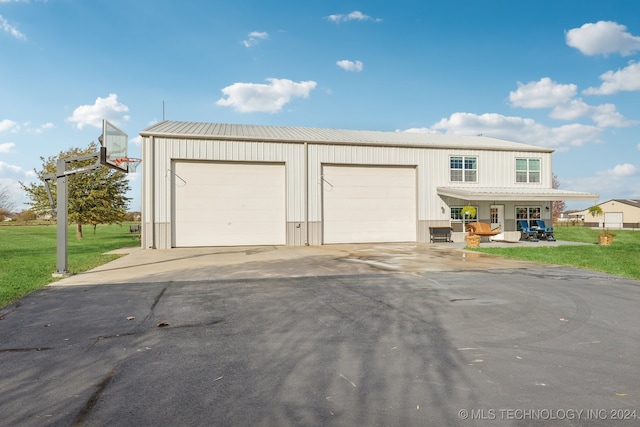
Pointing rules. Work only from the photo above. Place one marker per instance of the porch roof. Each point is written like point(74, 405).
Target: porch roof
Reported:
point(514, 194)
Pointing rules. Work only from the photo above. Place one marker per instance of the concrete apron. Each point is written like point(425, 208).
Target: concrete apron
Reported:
point(219, 263)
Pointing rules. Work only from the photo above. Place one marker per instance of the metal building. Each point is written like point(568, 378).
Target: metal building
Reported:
point(211, 184)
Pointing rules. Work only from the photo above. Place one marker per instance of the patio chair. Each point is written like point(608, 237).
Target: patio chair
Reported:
point(528, 233)
point(545, 232)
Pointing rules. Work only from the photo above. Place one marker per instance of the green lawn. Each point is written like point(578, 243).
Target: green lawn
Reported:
point(620, 258)
point(28, 254)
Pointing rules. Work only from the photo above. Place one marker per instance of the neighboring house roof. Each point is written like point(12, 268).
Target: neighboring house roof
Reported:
point(630, 202)
point(513, 194)
point(221, 131)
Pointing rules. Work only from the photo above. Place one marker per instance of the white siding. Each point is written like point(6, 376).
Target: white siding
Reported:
point(164, 151)
point(496, 168)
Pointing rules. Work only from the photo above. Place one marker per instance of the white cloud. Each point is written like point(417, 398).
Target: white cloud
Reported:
point(604, 115)
point(572, 110)
point(44, 127)
point(254, 38)
point(419, 130)
point(266, 98)
point(490, 124)
point(13, 171)
point(607, 184)
point(8, 125)
point(544, 93)
point(518, 129)
point(627, 79)
point(353, 66)
point(603, 38)
point(10, 177)
point(38, 130)
point(7, 147)
point(13, 31)
point(574, 134)
point(136, 141)
point(356, 15)
point(612, 183)
point(620, 171)
point(104, 108)
point(16, 195)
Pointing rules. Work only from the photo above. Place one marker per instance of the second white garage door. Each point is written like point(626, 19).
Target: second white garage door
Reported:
point(613, 219)
point(369, 204)
point(229, 204)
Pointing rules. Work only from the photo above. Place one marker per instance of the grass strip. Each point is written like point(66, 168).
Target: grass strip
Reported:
point(620, 258)
point(28, 254)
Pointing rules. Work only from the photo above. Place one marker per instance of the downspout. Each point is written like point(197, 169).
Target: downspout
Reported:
point(152, 174)
point(306, 193)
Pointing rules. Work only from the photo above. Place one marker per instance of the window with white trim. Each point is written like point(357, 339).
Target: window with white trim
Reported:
point(527, 170)
point(463, 169)
point(528, 213)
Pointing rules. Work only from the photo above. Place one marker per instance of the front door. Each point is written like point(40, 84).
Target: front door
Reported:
point(497, 216)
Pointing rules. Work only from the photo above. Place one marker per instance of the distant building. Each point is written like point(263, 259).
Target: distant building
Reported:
point(616, 213)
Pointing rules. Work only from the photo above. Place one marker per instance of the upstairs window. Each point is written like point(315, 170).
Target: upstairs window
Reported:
point(463, 169)
point(527, 170)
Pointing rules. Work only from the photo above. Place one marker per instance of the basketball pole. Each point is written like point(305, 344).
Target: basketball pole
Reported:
point(62, 259)
point(111, 137)
point(62, 206)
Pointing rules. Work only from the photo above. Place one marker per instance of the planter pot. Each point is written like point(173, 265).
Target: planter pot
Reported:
point(472, 241)
point(605, 240)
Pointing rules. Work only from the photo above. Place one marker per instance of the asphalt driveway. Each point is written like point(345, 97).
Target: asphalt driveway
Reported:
point(347, 335)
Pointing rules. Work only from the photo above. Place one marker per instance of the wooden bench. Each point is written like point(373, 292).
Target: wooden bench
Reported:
point(482, 229)
point(441, 234)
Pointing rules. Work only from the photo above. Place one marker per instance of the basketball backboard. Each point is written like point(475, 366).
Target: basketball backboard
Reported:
point(114, 147)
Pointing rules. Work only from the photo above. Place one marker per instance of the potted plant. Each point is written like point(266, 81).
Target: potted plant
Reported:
point(606, 236)
point(469, 212)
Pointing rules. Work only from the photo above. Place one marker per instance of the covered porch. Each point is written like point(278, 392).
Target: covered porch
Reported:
point(504, 207)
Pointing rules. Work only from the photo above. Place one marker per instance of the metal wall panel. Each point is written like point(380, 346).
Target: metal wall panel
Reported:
point(166, 150)
point(495, 169)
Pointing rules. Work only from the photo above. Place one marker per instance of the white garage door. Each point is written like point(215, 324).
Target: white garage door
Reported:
point(369, 204)
point(613, 219)
point(226, 204)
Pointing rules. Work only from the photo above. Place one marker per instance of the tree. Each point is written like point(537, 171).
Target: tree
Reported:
point(96, 197)
point(26, 216)
point(5, 199)
point(595, 211)
point(6, 206)
point(558, 206)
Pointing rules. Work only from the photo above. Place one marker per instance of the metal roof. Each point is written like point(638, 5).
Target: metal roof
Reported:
point(513, 194)
point(631, 202)
point(221, 131)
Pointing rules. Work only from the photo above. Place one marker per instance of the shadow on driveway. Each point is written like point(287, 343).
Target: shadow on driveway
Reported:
point(347, 335)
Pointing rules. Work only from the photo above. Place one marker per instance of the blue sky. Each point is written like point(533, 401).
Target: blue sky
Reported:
point(560, 74)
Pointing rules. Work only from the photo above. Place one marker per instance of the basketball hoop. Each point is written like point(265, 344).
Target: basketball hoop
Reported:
point(130, 163)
